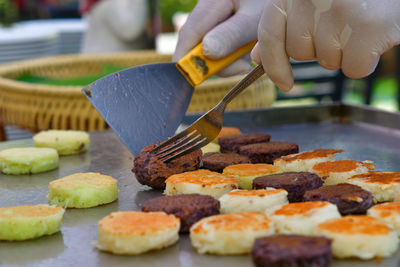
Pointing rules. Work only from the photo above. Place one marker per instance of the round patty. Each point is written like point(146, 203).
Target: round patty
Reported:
point(189, 208)
point(215, 161)
point(292, 250)
point(350, 199)
point(295, 183)
point(153, 172)
point(268, 152)
point(232, 143)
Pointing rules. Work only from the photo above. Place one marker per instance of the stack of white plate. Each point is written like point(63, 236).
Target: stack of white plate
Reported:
point(70, 32)
point(37, 38)
point(18, 44)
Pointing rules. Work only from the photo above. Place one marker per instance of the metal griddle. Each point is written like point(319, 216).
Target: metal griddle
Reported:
point(365, 134)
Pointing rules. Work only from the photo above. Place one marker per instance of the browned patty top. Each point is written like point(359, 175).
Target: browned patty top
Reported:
point(224, 158)
point(182, 204)
point(318, 153)
point(291, 178)
point(290, 247)
point(344, 191)
point(234, 141)
point(268, 147)
point(245, 138)
point(377, 177)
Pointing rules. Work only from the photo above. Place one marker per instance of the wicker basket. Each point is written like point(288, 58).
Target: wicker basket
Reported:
point(39, 106)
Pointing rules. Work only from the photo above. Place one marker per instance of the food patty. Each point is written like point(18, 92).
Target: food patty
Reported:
point(134, 232)
point(302, 217)
point(246, 173)
point(359, 236)
point(292, 250)
point(350, 199)
point(336, 172)
point(304, 161)
point(384, 186)
point(252, 200)
point(268, 152)
point(229, 234)
point(295, 183)
point(151, 171)
point(216, 162)
point(232, 143)
point(189, 208)
point(204, 182)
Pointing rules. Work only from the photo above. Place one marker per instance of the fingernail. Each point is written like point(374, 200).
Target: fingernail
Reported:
point(212, 48)
point(284, 86)
point(255, 54)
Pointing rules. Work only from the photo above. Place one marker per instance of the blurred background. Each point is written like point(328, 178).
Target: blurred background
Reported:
point(31, 29)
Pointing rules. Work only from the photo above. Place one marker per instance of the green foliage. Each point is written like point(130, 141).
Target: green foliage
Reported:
point(77, 81)
point(167, 8)
point(8, 12)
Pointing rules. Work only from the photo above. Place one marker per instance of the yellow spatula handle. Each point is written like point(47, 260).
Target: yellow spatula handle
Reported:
point(196, 67)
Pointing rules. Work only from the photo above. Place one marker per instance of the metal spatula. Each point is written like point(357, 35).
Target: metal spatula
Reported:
point(146, 104)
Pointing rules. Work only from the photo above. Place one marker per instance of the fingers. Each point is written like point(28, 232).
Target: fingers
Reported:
point(339, 34)
point(228, 36)
point(328, 46)
point(328, 54)
point(358, 59)
point(299, 32)
point(272, 45)
point(197, 26)
point(235, 32)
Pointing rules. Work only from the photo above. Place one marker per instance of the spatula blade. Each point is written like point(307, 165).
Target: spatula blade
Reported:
point(142, 104)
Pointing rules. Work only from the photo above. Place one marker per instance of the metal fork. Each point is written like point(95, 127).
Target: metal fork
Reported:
point(207, 127)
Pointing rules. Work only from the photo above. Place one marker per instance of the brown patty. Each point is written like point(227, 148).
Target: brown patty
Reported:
point(215, 161)
point(295, 183)
point(350, 199)
point(292, 250)
point(153, 172)
point(232, 143)
point(189, 208)
point(268, 152)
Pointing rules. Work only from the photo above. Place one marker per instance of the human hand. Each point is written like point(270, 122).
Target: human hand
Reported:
point(350, 35)
point(221, 32)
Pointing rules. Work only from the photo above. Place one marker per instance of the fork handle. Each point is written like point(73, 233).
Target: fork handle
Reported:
point(251, 77)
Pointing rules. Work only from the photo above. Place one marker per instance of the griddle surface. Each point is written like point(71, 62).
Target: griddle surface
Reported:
point(107, 155)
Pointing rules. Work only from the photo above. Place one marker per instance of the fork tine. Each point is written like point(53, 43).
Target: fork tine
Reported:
point(173, 138)
point(181, 134)
point(198, 145)
point(183, 146)
point(184, 140)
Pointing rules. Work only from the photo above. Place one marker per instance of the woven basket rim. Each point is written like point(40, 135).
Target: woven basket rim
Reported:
point(57, 61)
point(62, 59)
point(9, 84)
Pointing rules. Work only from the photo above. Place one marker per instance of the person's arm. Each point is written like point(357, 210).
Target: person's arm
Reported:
point(126, 19)
point(223, 26)
point(350, 35)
